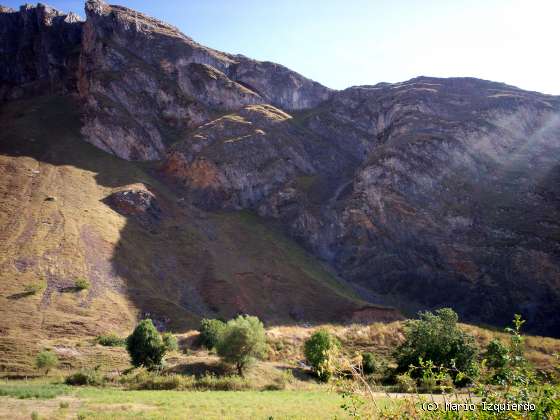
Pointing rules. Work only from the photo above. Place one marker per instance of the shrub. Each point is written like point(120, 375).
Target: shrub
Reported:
point(46, 360)
point(145, 345)
point(496, 354)
point(222, 383)
point(170, 342)
point(281, 381)
point(210, 331)
point(510, 366)
point(34, 288)
point(369, 365)
point(242, 340)
point(436, 337)
point(82, 284)
point(434, 378)
point(518, 381)
point(405, 383)
point(110, 340)
point(151, 381)
point(320, 350)
point(84, 377)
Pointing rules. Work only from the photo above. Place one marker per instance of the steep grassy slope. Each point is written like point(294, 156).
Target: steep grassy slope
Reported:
point(56, 228)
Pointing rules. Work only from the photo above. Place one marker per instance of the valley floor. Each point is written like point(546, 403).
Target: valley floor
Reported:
point(108, 403)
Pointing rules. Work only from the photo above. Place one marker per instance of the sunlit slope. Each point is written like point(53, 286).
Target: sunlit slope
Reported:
point(56, 228)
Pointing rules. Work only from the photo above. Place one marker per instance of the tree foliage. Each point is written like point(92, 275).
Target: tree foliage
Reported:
point(369, 364)
point(46, 360)
point(242, 340)
point(170, 341)
point(110, 340)
point(320, 350)
point(210, 331)
point(145, 345)
point(436, 337)
point(496, 354)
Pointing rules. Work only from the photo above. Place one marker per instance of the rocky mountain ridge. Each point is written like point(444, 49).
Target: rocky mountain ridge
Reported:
point(426, 193)
point(39, 51)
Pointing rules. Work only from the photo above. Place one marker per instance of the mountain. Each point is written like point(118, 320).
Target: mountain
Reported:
point(185, 182)
point(426, 193)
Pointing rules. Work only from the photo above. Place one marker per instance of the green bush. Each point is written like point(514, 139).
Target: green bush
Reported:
point(320, 350)
point(82, 284)
point(242, 340)
point(518, 381)
point(210, 331)
point(110, 340)
point(436, 337)
point(498, 360)
point(145, 345)
point(85, 377)
point(496, 354)
point(405, 383)
point(369, 364)
point(34, 288)
point(151, 381)
point(46, 360)
point(144, 380)
point(170, 342)
point(222, 383)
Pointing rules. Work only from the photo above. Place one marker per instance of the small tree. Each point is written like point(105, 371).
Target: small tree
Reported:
point(145, 345)
point(437, 338)
point(210, 331)
point(369, 365)
point(320, 350)
point(170, 342)
point(242, 340)
point(46, 360)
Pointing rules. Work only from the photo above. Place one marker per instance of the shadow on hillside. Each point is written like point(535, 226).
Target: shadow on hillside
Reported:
point(21, 295)
point(168, 272)
point(143, 264)
point(199, 369)
point(299, 373)
point(163, 266)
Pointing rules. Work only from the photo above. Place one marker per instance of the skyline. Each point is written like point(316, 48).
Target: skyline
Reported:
point(363, 42)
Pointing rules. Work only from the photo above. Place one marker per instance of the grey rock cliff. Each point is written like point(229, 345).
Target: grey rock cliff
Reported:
point(172, 83)
point(431, 192)
point(39, 50)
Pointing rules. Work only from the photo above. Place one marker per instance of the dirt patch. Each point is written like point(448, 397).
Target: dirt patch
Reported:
point(56, 408)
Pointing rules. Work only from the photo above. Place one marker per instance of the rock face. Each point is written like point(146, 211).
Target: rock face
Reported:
point(138, 202)
point(172, 83)
point(457, 202)
point(427, 193)
point(39, 50)
point(241, 159)
point(432, 192)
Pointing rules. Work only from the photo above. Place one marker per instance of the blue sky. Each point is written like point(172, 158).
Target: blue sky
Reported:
point(341, 43)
